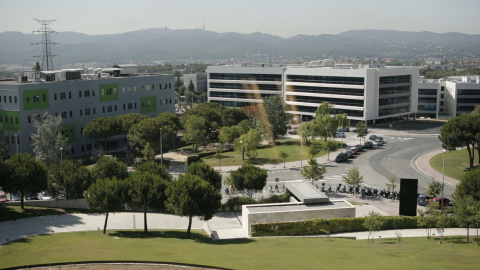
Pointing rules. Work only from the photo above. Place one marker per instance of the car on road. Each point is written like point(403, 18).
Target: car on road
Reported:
point(422, 199)
point(340, 135)
point(341, 157)
point(349, 154)
point(368, 145)
point(345, 129)
point(439, 199)
point(379, 142)
point(372, 137)
point(15, 198)
point(359, 147)
point(354, 150)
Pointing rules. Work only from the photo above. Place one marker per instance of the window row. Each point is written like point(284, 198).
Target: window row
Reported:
point(15, 99)
point(246, 86)
point(246, 77)
point(395, 79)
point(393, 100)
point(5, 119)
point(396, 110)
point(13, 139)
point(147, 87)
point(325, 90)
point(394, 90)
point(326, 79)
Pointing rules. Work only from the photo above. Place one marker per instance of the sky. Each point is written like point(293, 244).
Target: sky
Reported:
point(276, 17)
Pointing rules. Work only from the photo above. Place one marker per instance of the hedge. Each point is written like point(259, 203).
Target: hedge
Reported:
point(241, 200)
point(336, 225)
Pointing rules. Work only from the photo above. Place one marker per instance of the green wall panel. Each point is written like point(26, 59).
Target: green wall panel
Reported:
point(35, 99)
point(71, 132)
point(108, 92)
point(10, 120)
point(148, 104)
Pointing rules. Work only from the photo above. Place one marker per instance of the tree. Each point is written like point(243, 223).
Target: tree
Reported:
point(229, 134)
point(146, 190)
point(313, 171)
point(283, 155)
point(466, 200)
point(155, 168)
point(23, 175)
point(353, 177)
point(4, 145)
point(276, 120)
point(461, 131)
point(108, 168)
point(434, 189)
point(249, 143)
point(233, 116)
point(126, 121)
point(315, 149)
point(191, 86)
point(106, 195)
point(362, 131)
point(248, 178)
point(192, 196)
point(148, 131)
point(391, 185)
point(253, 113)
point(207, 173)
point(196, 131)
point(331, 146)
point(218, 155)
point(148, 153)
point(428, 218)
point(69, 178)
point(49, 140)
point(373, 223)
point(102, 128)
point(37, 66)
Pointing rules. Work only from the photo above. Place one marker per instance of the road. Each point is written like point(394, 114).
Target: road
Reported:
point(395, 159)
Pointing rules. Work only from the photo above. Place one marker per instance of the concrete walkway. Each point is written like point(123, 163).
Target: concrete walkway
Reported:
point(224, 225)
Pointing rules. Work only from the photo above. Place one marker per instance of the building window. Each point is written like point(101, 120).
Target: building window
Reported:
point(153, 86)
point(55, 96)
point(160, 86)
point(44, 97)
point(64, 114)
point(29, 119)
point(109, 108)
point(87, 111)
point(73, 150)
point(135, 105)
point(124, 107)
point(441, 103)
point(80, 93)
point(442, 88)
point(103, 109)
point(36, 98)
point(16, 119)
point(129, 106)
point(81, 112)
point(10, 99)
point(160, 102)
point(83, 148)
point(63, 96)
point(87, 93)
point(15, 99)
point(169, 85)
point(71, 114)
point(115, 107)
point(93, 93)
point(81, 130)
point(89, 147)
point(69, 95)
point(94, 111)
point(442, 95)
point(28, 99)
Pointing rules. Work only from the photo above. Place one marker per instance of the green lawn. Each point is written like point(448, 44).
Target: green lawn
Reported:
point(259, 253)
point(456, 163)
point(267, 154)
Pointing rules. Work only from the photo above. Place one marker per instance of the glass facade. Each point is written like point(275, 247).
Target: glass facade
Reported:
point(245, 86)
point(326, 79)
point(245, 77)
point(319, 100)
point(325, 90)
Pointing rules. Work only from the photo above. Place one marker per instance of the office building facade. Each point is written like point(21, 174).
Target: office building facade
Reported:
point(79, 97)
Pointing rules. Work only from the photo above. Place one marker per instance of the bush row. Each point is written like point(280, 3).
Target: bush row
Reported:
point(337, 225)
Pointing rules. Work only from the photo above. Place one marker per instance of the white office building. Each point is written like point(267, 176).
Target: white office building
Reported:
point(364, 92)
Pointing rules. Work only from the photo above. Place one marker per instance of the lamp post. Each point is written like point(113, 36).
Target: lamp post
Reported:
point(161, 148)
point(241, 151)
point(341, 145)
point(443, 178)
point(61, 154)
point(16, 142)
point(301, 144)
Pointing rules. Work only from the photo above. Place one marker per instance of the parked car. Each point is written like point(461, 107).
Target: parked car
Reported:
point(345, 129)
point(372, 137)
point(3, 197)
point(15, 198)
point(439, 199)
point(354, 150)
point(378, 142)
point(368, 145)
point(44, 196)
point(359, 147)
point(422, 199)
point(349, 154)
point(341, 157)
point(32, 197)
point(340, 135)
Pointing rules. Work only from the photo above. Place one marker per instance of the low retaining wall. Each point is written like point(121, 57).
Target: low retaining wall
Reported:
point(77, 204)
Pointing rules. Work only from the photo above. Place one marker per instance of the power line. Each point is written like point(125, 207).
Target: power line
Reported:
point(47, 62)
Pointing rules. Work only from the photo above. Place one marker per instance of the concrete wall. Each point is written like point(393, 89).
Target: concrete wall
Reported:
point(77, 204)
point(284, 216)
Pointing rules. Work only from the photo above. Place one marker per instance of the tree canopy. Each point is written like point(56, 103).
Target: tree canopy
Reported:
point(248, 178)
point(276, 119)
point(4, 145)
point(466, 200)
point(49, 140)
point(102, 128)
point(192, 196)
point(24, 174)
point(353, 177)
point(313, 171)
point(196, 130)
point(69, 178)
point(148, 131)
point(207, 173)
point(108, 168)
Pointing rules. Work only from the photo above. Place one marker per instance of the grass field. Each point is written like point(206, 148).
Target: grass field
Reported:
point(456, 163)
point(259, 253)
point(267, 154)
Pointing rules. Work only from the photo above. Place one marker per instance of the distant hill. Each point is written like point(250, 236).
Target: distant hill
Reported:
point(161, 44)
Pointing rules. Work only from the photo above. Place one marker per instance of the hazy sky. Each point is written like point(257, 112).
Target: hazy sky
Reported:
point(276, 17)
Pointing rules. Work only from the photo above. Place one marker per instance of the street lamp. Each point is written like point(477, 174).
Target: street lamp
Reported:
point(443, 179)
point(16, 142)
point(61, 154)
point(161, 149)
point(241, 151)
